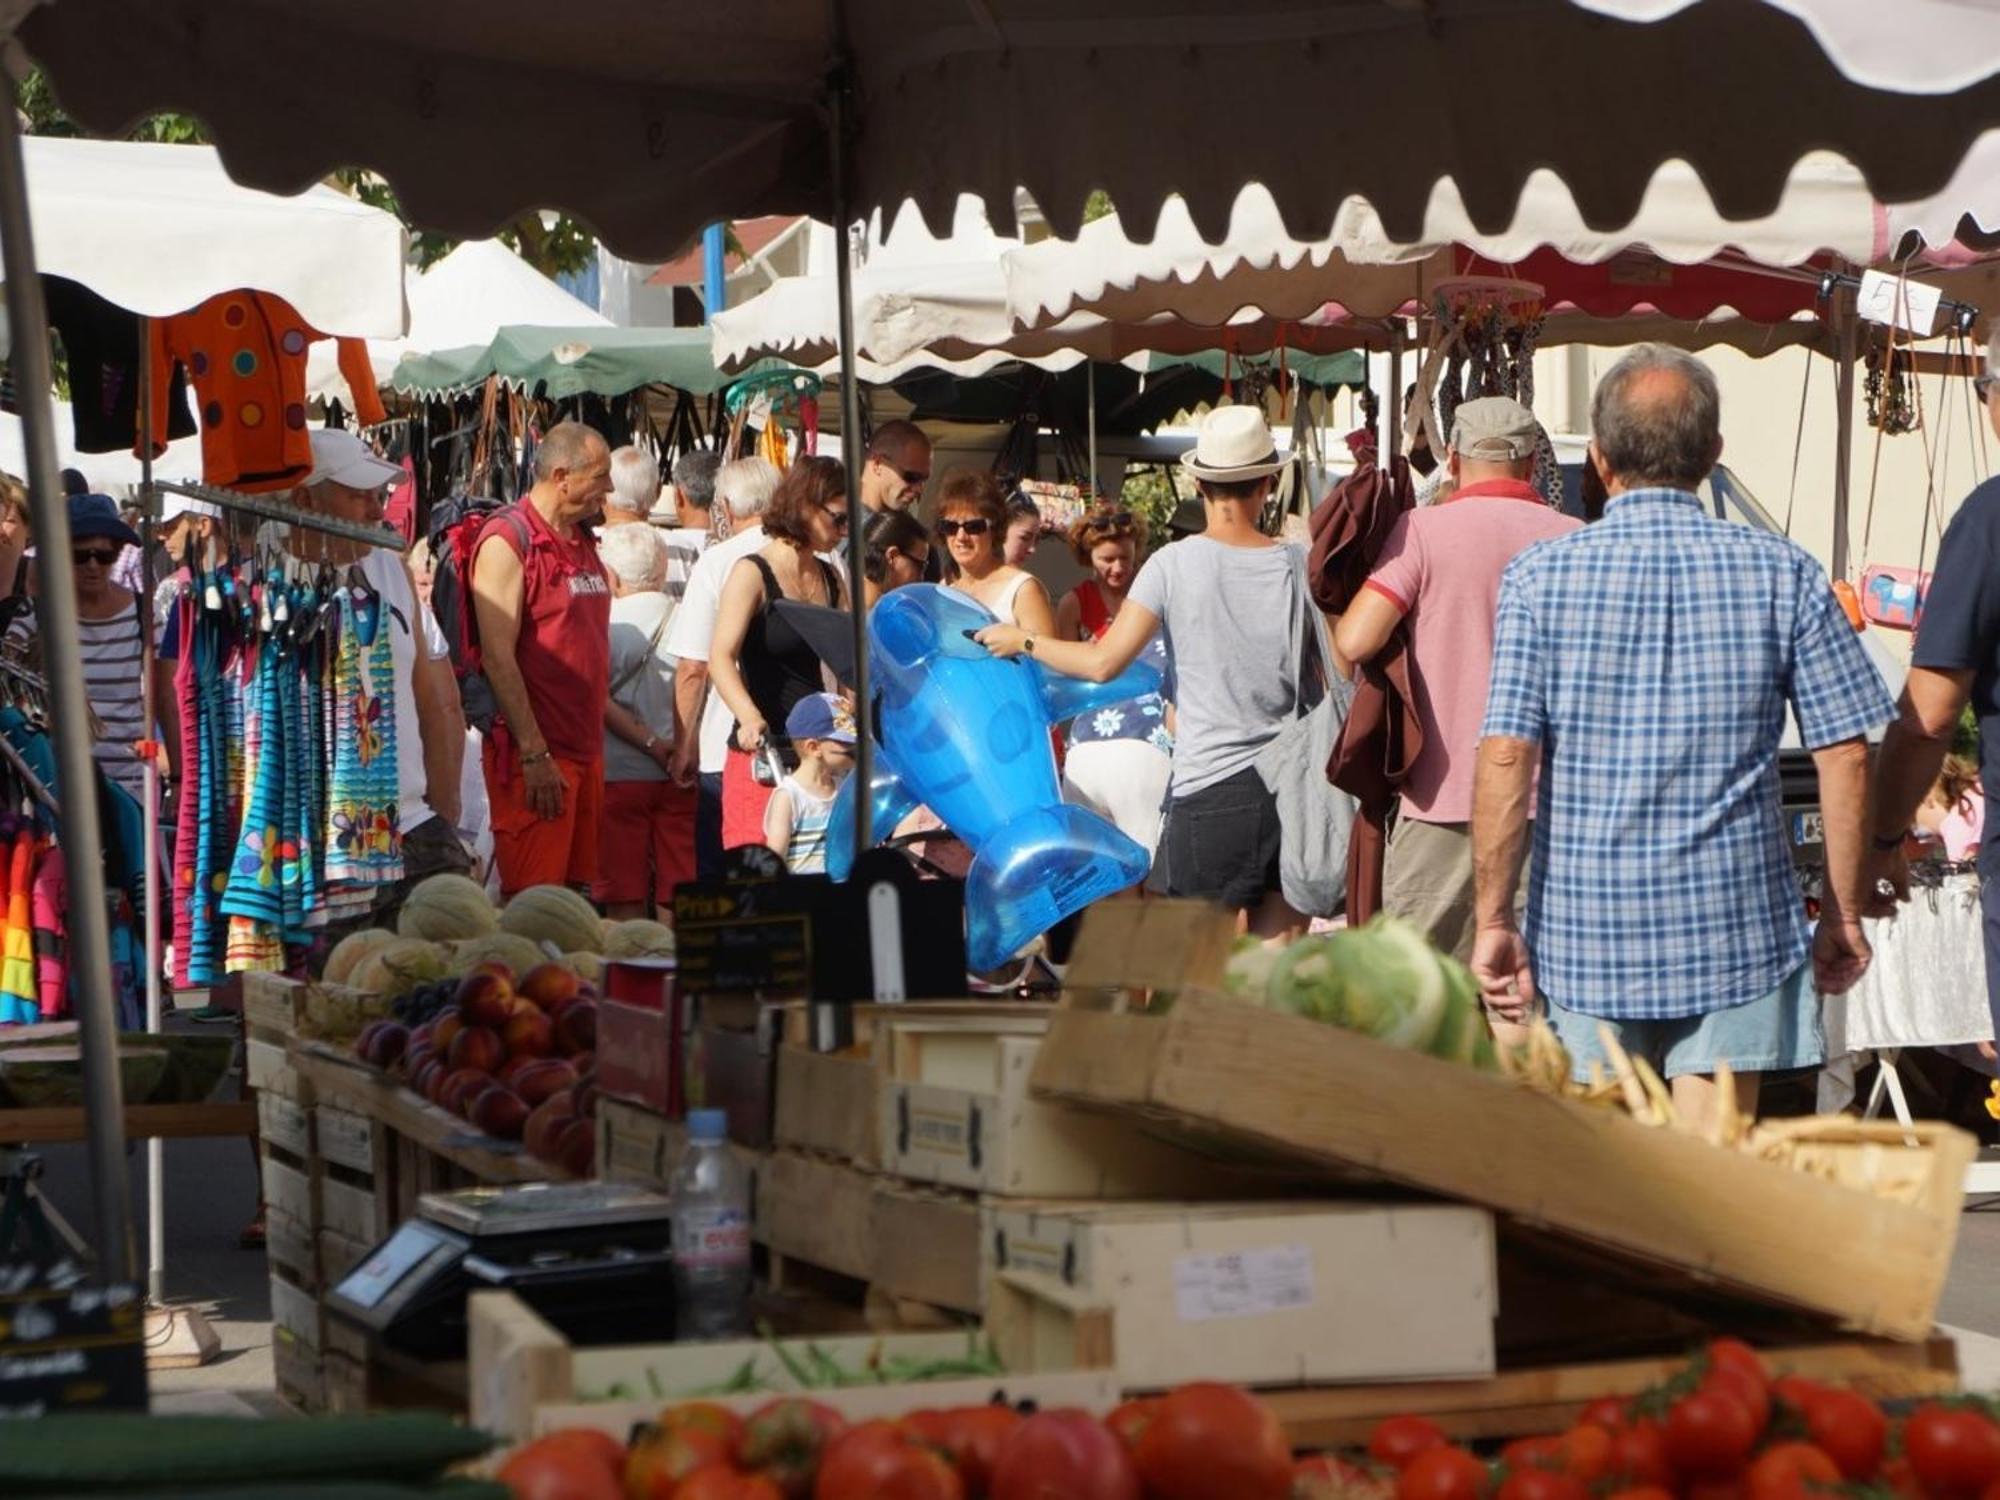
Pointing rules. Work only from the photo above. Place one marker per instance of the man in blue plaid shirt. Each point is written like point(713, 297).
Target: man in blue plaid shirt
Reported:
point(1644, 665)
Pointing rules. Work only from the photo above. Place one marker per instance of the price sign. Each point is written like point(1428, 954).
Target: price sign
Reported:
point(68, 1346)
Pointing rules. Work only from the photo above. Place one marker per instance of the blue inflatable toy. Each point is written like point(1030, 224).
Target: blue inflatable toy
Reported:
point(967, 735)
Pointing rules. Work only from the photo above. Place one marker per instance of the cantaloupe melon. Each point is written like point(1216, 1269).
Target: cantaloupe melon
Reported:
point(517, 953)
point(554, 914)
point(639, 938)
point(447, 907)
point(399, 966)
point(589, 967)
point(349, 951)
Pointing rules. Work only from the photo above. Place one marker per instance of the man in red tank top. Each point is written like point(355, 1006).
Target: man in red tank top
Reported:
point(544, 611)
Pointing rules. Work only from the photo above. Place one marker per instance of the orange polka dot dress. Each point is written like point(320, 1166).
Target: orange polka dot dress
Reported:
point(245, 354)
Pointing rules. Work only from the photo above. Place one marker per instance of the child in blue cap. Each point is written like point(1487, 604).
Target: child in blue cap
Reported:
point(821, 729)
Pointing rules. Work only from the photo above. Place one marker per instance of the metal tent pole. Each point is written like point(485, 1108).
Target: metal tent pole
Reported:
point(149, 506)
point(1847, 346)
point(1090, 399)
point(851, 448)
point(89, 920)
point(1392, 419)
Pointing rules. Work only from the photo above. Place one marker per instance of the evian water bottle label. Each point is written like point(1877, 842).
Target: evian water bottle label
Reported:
point(712, 1237)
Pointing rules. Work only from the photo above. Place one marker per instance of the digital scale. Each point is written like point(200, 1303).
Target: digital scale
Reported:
point(593, 1258)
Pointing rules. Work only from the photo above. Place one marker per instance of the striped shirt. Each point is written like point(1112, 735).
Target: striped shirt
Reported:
point(810, 816)
point(113, 680)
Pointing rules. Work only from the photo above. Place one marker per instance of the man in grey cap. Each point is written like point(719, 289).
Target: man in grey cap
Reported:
point(1438, 580)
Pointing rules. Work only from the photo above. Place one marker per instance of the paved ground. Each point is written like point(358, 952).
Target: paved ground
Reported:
point(211, 1192)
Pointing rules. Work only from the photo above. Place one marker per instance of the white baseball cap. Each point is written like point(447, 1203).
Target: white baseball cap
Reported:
point(173, 507)
point(342, 458)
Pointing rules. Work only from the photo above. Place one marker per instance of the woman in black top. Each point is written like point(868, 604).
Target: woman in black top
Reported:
point(758, 663)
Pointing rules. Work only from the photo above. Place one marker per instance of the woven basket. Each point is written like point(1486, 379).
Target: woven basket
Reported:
point(1871, 1156)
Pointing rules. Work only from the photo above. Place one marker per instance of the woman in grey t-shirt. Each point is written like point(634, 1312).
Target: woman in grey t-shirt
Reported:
point(1224, 601)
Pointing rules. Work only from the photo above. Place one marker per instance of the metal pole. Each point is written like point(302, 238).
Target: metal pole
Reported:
point(1090, 421)
point(1847, 344)
point(89, 921)
point(149, 506)
point(852, 450)
point(1393, 419)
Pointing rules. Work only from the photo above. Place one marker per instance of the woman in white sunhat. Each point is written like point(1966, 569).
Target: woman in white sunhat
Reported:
point(1234, 667)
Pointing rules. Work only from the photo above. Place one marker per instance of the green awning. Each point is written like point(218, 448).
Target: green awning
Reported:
point(1344, 367)
point(573, 362)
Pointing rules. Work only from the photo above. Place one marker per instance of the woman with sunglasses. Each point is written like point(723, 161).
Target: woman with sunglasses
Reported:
point(1119, 757)
point(110, 626)
point(972, 520)
point(759, 664)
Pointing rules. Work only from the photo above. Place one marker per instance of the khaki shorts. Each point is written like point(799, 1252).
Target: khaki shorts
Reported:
point(1427, 881)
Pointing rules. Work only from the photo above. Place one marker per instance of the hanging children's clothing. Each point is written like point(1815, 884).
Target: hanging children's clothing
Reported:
point(246, 352)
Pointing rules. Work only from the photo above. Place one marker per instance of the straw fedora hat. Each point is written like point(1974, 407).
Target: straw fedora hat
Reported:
point(1235, 444)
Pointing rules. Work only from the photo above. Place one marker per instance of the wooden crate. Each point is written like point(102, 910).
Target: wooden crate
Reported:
point(957, 1110)
point(345, 1138)
point(817, 1210)
point(286, 1124)
point(526, 1378)
point(828, 1102)
point(1218, 1068)
point(267, 1068)
point(297, 1372)
point(338, 1254)
point(296, 1310)
point(636, 1145)
point(930, 1245)
point(1256, 1294)
point(274, 1008)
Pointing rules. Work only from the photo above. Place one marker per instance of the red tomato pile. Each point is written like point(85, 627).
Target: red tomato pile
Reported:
point(1196, 1443)
point(1722, 1430)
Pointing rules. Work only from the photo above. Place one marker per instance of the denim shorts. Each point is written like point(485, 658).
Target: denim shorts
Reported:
point(1773, 1034)
point(1221, 843)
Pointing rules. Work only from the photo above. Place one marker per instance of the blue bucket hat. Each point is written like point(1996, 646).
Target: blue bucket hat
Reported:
point(97, 516)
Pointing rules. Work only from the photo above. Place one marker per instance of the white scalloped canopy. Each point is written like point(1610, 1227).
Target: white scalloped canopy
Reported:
point(649, 119)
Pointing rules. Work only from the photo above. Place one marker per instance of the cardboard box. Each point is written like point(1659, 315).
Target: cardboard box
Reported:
point(1265, 1294)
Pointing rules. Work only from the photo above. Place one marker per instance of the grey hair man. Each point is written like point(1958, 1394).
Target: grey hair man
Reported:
point(701, 719)
point(347, 483)
point(683, 515)
point(1955, 662)
point(635, 487)
point(1644, 667)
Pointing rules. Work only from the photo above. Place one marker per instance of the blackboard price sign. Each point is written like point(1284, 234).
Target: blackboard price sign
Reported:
point(68, 1346)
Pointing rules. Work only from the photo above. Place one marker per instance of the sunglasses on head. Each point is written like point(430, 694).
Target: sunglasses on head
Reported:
point(104, 557)
point(977, 526)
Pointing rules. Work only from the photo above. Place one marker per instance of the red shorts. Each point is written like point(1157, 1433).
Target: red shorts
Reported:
point(533, 850)
point(647, 842)
point(744, 799)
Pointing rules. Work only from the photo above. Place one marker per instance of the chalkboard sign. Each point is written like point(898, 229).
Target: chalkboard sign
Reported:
point(743, 939)
point(66, 1345)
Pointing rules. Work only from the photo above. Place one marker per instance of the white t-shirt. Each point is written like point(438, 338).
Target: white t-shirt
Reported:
point(693, 628)
point(389, 577)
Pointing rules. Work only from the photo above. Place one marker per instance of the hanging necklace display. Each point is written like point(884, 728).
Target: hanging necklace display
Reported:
point(1892, 405)
point(1484, 331)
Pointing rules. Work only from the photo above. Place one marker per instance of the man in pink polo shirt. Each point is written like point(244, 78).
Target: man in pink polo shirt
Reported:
point(1439, 578)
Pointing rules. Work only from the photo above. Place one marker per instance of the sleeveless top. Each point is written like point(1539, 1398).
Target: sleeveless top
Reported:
point(1003, 611)
point(564, 645)
point(779, 667)
point(810, 816)
point(1143, 718)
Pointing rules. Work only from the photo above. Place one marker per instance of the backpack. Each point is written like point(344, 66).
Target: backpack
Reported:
point(455, 529)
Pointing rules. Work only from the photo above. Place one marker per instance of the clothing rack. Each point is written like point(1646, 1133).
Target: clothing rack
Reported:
point(266, 508)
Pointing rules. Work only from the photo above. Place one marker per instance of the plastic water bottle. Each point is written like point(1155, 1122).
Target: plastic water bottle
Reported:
point(710, 1195)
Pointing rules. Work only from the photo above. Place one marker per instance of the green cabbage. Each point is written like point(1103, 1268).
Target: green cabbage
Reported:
point(1248, 974)
point(1382, 980)
point(1463, 1036)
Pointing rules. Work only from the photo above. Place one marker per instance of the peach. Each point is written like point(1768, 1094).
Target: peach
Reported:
point(530, 1035)
point(462, 1088)
point(477, 1047)
point(382, 1042)
point(444, 1029)
point(484, 998)
point(549, 985)
point(434, 1088)
point(415, 1055)
point(500, 1112)
point(432, 1071)
point(585, 1095)
point(544, 1121)
point(576, 1027)
point(576, 1148)
point(542, 1078)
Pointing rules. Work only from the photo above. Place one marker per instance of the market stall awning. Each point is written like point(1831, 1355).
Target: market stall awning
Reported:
point(159, 229)
point(652, 120)
point(461, 302)
point(598, 361)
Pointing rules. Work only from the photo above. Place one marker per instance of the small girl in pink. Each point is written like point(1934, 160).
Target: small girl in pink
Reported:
point(1954, 814)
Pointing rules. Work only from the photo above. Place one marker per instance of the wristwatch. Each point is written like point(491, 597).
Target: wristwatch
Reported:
point(1028, 645)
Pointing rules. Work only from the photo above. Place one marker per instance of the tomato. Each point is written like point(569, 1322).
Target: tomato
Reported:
point(973, 1438)
point(1737, 1356)
point(1642, 1492)
point(1208, 1440)
point(1605, 1411)
point(1717, 1489)
point(1542, 1484)
point(1532, 1453)
point(702, 1417)
point(1128, 1420)
point(1850, 1429)
point(662, 1457)
point(1585, 1452)
point(727, 1482)
point(1398, 1440)
point(885, 1461)
point(1748, 1391)
point(1900, 1479)
point(595, 1442)
point(1064, 1453)
point(1953, 1451)
point(1790, 1471)
point(783, 1439)
point(1796, 1391)
point(554, 1469)
point(1444, 1474)
point(1324, 1476)
point(1639, 1456)
point(1709, 1434)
